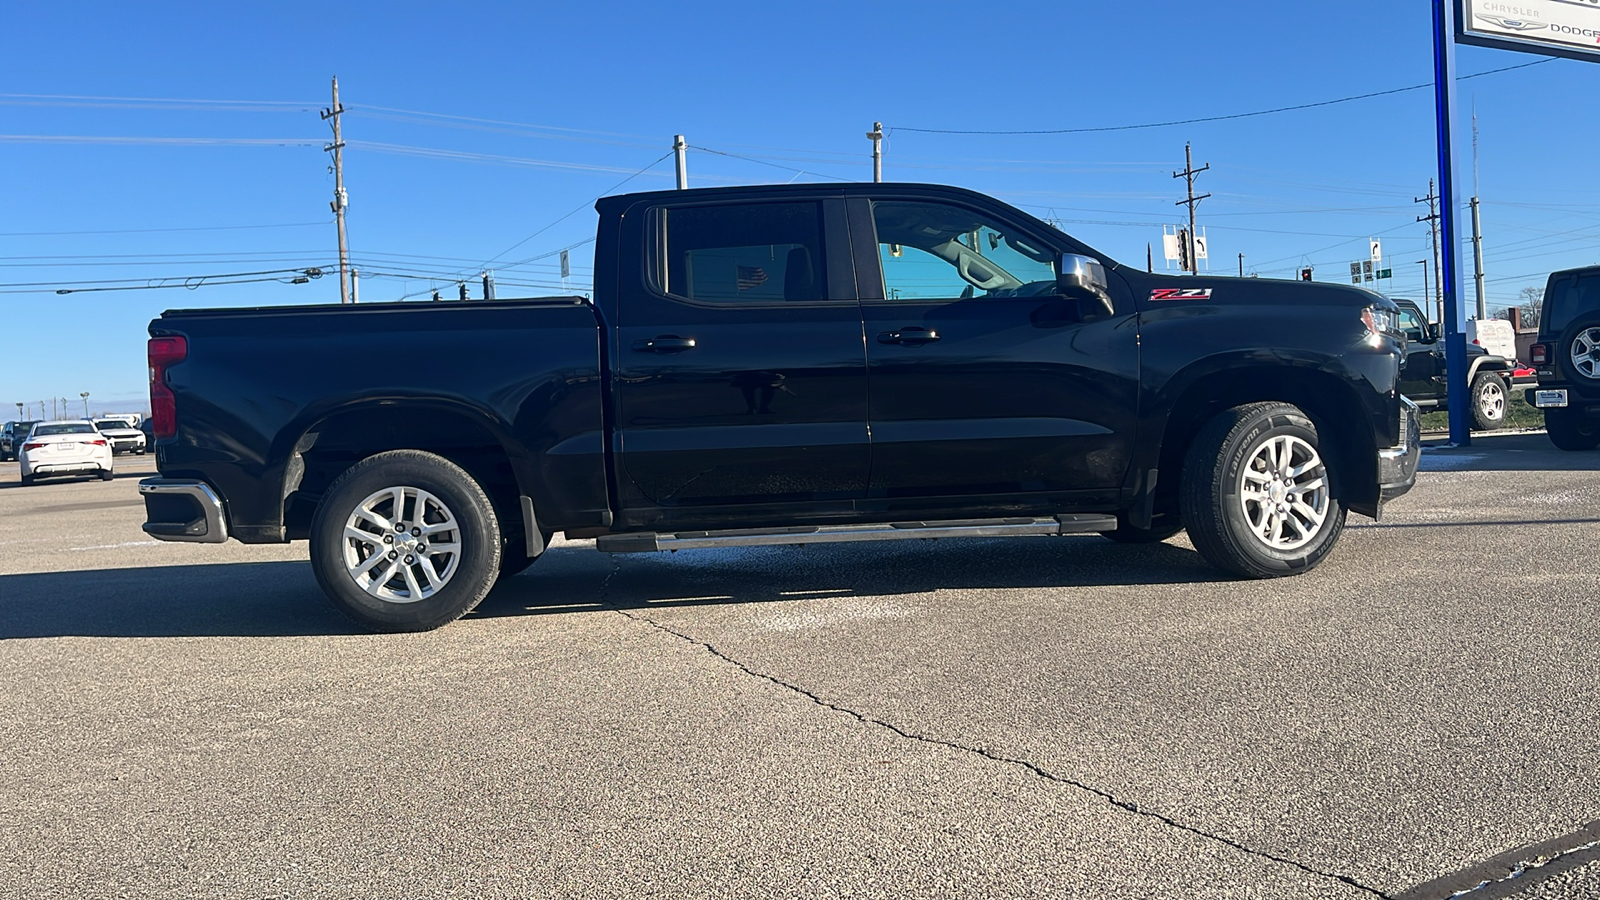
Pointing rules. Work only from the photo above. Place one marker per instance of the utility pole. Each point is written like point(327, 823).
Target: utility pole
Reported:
point(1477, 261)
point(876, 134)
point(1432, 218)
point(85, 396)
point(1188, 174)
point(340, 199)
point(1241, 265)
point(1477, 228)
point(680, 149)
point(488, 285)
point(355, 281)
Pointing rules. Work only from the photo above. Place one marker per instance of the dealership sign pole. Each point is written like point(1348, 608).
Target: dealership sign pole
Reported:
point(1455, 326)
point(1565, 28)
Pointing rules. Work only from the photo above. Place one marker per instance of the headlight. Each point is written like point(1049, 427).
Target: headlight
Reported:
point(1380, 323)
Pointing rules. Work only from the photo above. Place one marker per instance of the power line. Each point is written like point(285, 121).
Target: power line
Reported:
point(159, 141)
point(1247, 115)
point(764, 163)
point(157, 230)
point(569, 215)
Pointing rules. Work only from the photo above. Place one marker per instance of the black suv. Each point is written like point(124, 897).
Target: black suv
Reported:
point(1422, 373)
point(11, 437)
point(1567, 356)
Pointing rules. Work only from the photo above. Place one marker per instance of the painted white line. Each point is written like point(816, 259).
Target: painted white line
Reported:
point(117, 546)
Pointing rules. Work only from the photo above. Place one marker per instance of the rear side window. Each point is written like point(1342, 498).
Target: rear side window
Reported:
point(749, 253)
point(1566, 298)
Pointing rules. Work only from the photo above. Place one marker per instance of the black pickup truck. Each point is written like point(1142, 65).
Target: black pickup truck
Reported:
point(1422, 374)
point(782, 365)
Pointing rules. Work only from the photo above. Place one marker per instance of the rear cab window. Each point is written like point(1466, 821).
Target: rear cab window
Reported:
point(740, 254)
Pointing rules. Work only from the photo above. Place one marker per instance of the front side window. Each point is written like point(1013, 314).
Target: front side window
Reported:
point(1411, 325)
point(747, 253)
point(933, 251)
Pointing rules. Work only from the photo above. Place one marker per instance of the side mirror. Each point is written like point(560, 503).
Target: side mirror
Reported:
point(1084, 278)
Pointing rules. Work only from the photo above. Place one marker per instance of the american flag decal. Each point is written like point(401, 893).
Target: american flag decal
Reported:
point(751, 277)
point(1180, 294)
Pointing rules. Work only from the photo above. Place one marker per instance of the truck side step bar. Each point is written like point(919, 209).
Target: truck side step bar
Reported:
point(650, 542)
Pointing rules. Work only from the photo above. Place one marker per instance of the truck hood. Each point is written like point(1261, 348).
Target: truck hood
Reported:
point(1160, 290)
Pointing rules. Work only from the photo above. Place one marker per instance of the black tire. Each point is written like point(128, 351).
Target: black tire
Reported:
point(1489, 398)
point(1570, 429)
point(1217, 510)
point(1163, 526)
point(106, 475)
point(401, 602)
point(28, 480)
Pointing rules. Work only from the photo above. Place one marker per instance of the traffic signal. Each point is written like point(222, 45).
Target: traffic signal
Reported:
point(1305, 274)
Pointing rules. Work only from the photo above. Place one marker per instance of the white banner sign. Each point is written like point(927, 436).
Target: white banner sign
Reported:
point(1568, 28)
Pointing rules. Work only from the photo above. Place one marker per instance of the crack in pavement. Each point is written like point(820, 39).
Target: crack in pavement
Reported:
point(1038, 771)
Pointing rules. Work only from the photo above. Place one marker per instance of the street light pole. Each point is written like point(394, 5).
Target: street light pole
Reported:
point(85, 396)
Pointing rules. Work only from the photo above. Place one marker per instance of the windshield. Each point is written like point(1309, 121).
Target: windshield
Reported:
point(63, 428)
point(104, 424)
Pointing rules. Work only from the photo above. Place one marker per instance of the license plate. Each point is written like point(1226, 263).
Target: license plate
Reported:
point(1549, 399)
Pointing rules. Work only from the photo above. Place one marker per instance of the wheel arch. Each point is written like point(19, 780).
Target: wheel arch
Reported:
point(322, 444)
point(1327, 397)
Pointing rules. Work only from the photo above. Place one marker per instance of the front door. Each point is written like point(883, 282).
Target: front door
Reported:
point(740, 373)
point(985, 382)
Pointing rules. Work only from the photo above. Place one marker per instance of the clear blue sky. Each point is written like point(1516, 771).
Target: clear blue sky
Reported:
point(557, 103)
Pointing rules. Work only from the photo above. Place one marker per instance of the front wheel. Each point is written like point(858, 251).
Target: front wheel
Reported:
point(405, 541)
point(1571, 430)
point(1258, 498)
point(1488, 393)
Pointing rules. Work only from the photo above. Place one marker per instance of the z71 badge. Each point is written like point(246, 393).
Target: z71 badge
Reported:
point(1181, 294)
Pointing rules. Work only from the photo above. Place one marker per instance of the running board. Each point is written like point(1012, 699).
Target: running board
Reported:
point(834, 534)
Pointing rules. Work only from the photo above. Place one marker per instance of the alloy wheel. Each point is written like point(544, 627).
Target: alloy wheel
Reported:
point(401, 544)
point(1284, 492)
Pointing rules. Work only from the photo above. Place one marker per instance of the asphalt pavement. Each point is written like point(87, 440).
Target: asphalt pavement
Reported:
point(1030, 717)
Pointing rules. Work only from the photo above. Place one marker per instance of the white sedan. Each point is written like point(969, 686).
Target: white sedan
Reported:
point(65, 448)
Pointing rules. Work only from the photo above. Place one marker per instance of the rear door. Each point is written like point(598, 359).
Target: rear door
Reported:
point(985, 383)
point(740, 371)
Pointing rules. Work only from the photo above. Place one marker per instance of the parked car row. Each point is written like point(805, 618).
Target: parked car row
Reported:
point(71, 446)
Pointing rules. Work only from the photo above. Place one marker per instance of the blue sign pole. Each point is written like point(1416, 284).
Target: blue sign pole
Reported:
point(1455, 338)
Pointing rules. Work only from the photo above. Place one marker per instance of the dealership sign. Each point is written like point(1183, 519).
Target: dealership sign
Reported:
point(1569, 28)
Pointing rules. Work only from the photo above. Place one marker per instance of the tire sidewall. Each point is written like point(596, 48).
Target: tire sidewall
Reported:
point(1243, 443)
point(1481, 384)
point(480, 538)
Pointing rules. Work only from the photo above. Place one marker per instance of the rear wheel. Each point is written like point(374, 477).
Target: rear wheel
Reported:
point(1488, 401)
point(1257, 496)
point(1570, 429)
point(27, 480)
point(405, 541)
point(106, 475)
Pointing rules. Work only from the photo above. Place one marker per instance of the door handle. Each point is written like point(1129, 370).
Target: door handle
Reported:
point(909, 337)
point(667, 343)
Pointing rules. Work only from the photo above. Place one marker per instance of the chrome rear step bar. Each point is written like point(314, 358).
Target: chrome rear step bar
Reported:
point(650, 542)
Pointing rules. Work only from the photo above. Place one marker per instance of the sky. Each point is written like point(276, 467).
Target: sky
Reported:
point(178, 148)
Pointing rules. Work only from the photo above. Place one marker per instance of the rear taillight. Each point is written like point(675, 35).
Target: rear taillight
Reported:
point(98, 442)
point(1540, 354)
point(165, 352)
point(34, 446)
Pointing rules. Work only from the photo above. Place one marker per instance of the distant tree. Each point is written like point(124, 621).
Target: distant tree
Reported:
point(1531, 302)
